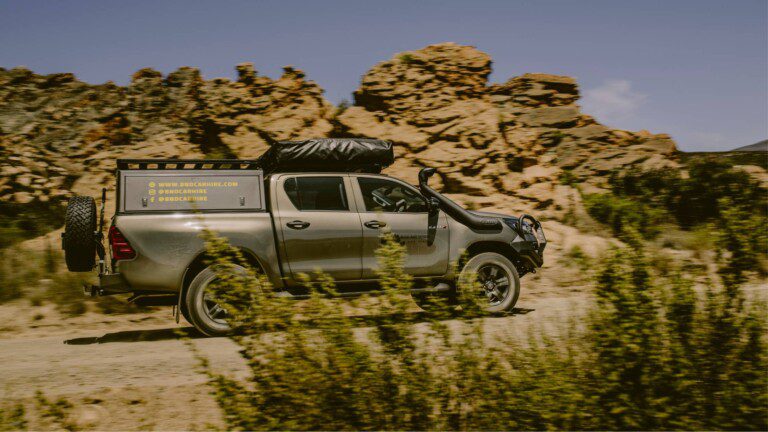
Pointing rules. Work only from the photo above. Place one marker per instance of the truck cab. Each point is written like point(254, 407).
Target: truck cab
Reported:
point(334, 221)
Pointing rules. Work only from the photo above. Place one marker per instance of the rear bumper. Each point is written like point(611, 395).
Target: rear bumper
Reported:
point(111, 283)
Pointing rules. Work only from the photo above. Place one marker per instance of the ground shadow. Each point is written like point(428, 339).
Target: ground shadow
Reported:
point(416, 317)
point(359, 320)
point(138, 336)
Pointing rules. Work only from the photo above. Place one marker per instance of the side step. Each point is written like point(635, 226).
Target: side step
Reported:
point(154, 299)
point(441, 287)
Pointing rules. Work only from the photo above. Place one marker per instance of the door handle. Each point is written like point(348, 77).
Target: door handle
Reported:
point(375, 224)
point(297, 224)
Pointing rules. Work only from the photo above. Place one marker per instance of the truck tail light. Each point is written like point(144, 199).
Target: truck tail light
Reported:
point(121, 249)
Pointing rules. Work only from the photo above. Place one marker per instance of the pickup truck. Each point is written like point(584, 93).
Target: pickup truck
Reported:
point(288, 224)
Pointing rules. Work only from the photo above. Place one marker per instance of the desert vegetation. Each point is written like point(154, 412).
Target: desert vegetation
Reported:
point(717, 206)
point(40, 276)
point(655, 352)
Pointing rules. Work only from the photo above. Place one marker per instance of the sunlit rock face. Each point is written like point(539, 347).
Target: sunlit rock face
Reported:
point(60, 136)
point(515, 138)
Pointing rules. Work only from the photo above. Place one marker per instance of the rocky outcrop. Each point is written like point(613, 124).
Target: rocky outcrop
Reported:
point(254, 110)
point(68, 126)
point(520, 138)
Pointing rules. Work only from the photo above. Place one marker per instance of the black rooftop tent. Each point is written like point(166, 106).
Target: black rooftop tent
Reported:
point(328, 154)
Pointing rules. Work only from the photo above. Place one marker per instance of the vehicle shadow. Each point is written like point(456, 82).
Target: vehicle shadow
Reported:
point(421, 316)
point(154, 335)
point(139, 336)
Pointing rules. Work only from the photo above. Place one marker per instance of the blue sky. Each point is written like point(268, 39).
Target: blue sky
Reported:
point(697, 70)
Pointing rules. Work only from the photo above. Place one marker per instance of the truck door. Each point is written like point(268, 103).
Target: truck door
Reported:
point(389, 204)
point(320, 225)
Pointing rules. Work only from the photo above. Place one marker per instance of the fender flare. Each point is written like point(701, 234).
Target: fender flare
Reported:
point(198, 264)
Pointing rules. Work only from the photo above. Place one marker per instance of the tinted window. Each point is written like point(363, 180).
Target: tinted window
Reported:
point(389, 196)
point(317, 193)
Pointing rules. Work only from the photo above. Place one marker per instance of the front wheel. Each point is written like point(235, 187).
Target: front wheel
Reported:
point(202, 310)
point(495, 278)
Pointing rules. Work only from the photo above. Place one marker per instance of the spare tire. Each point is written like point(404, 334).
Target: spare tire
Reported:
point(79, 238)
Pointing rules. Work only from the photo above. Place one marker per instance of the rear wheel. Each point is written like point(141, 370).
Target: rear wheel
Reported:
point(79, 238)
point(202, 310)
point(495, 278)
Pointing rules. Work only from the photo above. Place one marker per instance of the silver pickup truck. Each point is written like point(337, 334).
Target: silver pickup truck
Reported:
point(287, 224)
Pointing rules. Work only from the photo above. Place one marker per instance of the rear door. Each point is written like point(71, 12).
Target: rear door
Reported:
point(320, 225)
point(388, 204)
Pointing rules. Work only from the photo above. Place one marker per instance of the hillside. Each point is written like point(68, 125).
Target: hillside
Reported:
point(504, 144)
point(760, 146)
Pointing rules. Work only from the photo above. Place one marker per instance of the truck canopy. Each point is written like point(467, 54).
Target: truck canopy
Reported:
point(162, 185)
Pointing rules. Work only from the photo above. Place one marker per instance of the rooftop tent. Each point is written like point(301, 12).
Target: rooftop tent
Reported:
point(328, 154)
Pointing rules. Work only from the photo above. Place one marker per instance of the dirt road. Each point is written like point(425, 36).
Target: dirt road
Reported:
point(136, 371)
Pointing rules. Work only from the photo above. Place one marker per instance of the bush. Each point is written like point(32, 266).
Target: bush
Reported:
point(21, 222)
point(406, 58)
point(341, 107)
point(697, 198)
point(12, 417)
point(714, 196)
point(41, 277)
point(625, 216)
point(652, 355)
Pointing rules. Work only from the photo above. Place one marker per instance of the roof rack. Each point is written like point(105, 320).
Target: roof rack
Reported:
point(188, 164)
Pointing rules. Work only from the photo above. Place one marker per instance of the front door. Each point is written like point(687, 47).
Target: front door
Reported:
point(398, 207)
point(320, 226)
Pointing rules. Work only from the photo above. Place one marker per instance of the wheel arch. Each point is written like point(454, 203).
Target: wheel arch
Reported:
point(502, 248)
point(199, 263)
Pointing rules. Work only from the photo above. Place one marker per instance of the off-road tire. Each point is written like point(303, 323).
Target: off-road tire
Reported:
point(79, 239)
point(195, 303)
point(478, 262)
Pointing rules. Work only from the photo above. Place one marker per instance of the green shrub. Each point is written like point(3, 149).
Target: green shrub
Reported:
point(568, 178)
point(12, 417)
point(625, 216)
point(55, 415)
point(406, 58)
point(341, 107)
point(697, 198)
point(41, 277)
point(652, 355)
point(713, 196)
point(577, 257)
point(20, 222)
point(742, 242)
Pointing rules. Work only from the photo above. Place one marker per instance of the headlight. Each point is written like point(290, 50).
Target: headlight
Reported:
point(518, 226)
point(527, 228)
point(512, 223)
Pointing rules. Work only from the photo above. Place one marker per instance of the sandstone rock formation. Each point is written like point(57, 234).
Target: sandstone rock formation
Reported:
point(519, 142)
point(58, 128)
point(517, 138)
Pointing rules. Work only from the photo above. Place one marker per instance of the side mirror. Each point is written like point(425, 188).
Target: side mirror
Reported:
point(433, 204)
